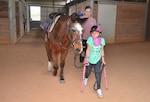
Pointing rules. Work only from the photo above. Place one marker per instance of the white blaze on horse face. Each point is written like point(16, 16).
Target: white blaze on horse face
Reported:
point(78, 27)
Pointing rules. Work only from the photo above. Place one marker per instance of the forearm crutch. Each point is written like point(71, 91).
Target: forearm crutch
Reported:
point(105, 78)
point(83, 76)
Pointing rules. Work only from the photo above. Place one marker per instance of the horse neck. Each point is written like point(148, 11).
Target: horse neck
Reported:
point(63, 36)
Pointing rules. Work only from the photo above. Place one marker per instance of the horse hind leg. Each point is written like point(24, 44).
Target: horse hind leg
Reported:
point(55, 66)
point(49, 55)
point(50, 61)
point(55, 62)
point(49, 64)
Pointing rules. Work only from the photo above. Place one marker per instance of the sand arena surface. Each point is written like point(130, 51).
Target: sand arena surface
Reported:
point(24, 76)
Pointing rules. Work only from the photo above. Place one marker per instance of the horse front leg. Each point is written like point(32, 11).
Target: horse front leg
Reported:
point(62, 64)
point(55, 66)
point(55, 62)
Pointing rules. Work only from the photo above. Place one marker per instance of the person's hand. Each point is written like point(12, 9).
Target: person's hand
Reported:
point(103, 61)
point(86, 61)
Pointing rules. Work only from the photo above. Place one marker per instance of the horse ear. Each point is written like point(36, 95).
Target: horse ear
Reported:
point(82, 20)
point(74, 17)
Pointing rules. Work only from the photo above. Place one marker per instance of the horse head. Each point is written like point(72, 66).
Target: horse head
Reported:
point(76, 31)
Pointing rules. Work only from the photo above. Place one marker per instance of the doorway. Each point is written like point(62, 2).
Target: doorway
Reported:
point(35, 16)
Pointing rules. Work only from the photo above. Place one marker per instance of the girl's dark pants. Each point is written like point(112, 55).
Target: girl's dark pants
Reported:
point(84, 50)
point(96, 71)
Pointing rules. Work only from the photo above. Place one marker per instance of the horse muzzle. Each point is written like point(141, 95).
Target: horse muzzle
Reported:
point(78, 51)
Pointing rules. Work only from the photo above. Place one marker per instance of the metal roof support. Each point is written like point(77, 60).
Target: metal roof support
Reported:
point(11, 16)
point(28, 17)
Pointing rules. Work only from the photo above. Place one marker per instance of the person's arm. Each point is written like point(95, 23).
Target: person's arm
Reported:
point(87, 54)
point(88, 50)
point(103, 56)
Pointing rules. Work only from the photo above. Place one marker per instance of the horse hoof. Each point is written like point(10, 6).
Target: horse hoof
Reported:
point(62, 80)
point(49, 70)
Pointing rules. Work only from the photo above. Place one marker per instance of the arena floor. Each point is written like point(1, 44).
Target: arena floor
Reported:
point(24, 76)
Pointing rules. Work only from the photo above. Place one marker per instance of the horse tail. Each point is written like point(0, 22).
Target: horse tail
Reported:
point(45, 36)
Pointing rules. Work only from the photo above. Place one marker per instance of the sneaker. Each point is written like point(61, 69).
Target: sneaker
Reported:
point(85, 81)
point(99, 93)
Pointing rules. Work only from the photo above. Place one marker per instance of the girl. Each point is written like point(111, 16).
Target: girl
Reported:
point(95, 56)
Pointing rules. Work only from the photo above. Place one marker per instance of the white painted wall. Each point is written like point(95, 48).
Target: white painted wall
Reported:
point(107, 19)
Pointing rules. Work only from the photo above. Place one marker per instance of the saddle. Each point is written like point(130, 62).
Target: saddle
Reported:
point(55, 14)
point(48, 24)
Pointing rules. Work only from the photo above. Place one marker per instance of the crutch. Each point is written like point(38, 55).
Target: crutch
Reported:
point(106, 82)
point(83, 76)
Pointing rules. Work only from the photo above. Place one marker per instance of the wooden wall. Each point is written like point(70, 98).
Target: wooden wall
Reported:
point(16, 25)
point(130, 22)
point(4, 22)
point(17, 19)
point(95, 11)
point(147, 37)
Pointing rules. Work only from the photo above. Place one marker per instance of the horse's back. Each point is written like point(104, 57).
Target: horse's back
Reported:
point(61, 25)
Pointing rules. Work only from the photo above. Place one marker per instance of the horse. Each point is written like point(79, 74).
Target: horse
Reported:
point(65, 34)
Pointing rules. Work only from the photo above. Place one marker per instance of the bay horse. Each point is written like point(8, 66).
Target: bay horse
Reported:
point(66, 33)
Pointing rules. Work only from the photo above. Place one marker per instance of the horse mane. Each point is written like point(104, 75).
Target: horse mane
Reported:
point(74, 17)
point(60, 30)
